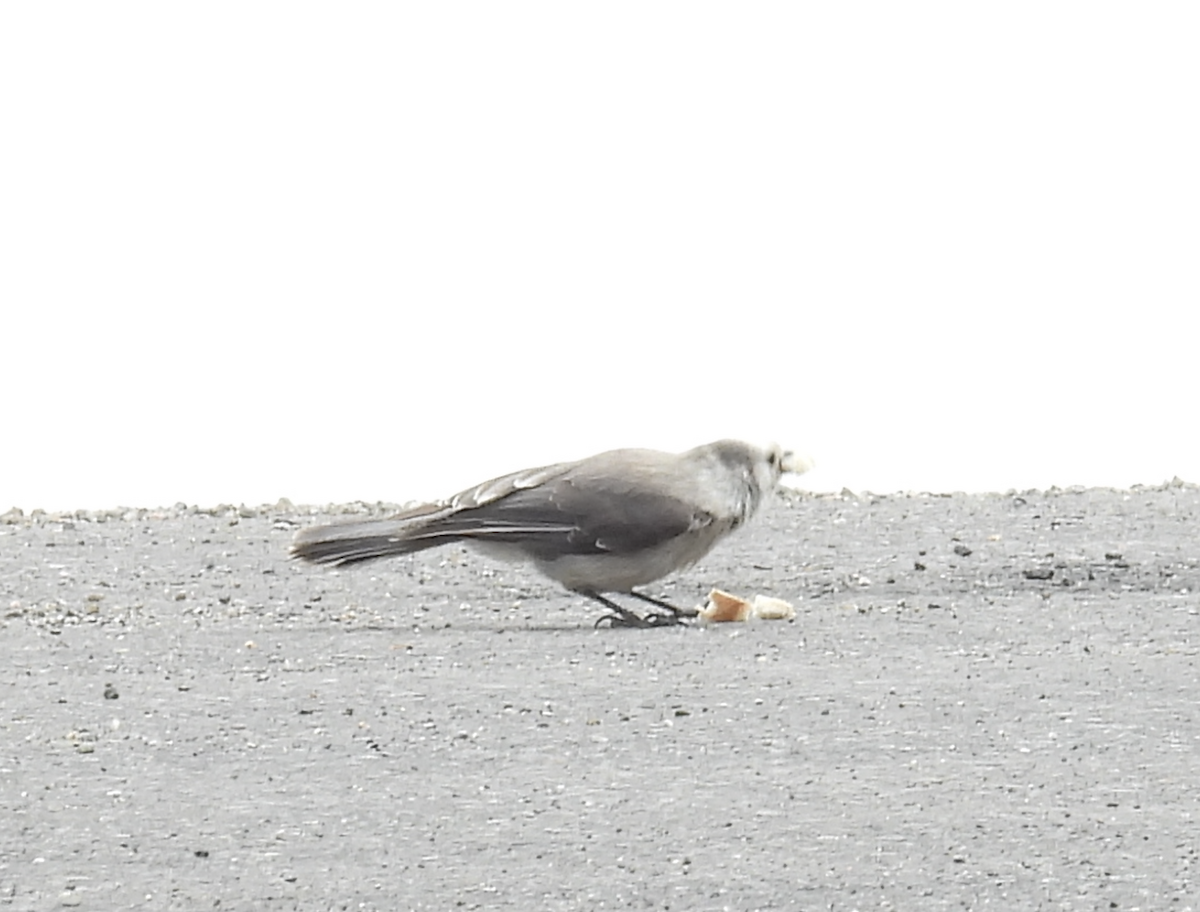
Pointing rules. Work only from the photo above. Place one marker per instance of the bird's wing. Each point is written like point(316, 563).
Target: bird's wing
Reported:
point(591, 507)
point(498, 488)
point(414, 529)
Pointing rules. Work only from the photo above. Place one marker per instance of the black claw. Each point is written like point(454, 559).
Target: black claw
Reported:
point(655, 619)
point(623, 617)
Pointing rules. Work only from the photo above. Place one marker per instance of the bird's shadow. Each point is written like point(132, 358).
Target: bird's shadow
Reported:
point(515, 628)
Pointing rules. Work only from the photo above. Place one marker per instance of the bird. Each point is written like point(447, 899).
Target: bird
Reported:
point(600, 526)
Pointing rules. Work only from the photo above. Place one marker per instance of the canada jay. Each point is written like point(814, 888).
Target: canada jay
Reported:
point(605, 524)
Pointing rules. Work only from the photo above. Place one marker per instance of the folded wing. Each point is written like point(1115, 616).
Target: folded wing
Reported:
point(592, 507)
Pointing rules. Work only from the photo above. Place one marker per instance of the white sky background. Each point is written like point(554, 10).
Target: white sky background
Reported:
point(383, 251)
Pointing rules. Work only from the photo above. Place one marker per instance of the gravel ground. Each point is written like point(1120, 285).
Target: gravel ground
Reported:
point(985, 702)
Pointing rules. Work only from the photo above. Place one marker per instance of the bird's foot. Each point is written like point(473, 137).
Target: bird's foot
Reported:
point(658, 619)
point(622, 617)
point(629, 619)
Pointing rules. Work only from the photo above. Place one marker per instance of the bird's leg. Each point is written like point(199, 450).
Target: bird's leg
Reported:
point(676, 613)
point(618, 616)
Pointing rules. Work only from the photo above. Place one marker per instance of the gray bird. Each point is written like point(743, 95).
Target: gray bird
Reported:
point(605, 524)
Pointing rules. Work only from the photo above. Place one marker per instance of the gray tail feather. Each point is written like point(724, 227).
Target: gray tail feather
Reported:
point(362, 540)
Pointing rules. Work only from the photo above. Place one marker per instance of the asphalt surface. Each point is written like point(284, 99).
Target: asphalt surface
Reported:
point(985, 702)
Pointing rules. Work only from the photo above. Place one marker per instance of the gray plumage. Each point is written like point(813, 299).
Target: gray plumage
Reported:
point(609, 523)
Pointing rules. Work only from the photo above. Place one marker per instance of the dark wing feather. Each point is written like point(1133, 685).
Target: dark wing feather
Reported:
point(603, 514)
